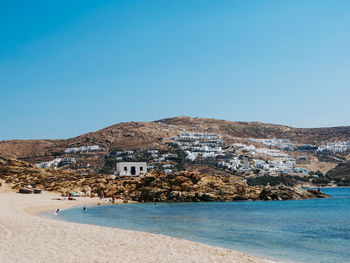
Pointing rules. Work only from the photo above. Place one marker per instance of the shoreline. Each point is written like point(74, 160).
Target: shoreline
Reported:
point(28, 237)
point(66, 204)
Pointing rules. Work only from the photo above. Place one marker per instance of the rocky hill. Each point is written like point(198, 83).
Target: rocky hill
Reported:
point(155, 135)
point(177, 187)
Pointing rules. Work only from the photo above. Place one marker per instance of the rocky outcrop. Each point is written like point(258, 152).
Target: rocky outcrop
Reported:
point(177, 187)
point(21, 174)
point(282, 192)
point(26, 191)
point(195, 187)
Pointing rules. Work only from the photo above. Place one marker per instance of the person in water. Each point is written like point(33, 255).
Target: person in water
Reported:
point(84, 208)
point(57, 211)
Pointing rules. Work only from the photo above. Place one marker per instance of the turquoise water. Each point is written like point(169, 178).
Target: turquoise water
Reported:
point(316, 230)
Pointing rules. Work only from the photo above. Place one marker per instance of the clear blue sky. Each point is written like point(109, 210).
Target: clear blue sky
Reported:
point(70, 67)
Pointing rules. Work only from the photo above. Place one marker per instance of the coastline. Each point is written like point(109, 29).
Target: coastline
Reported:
point(28, 237)
point(66, 204)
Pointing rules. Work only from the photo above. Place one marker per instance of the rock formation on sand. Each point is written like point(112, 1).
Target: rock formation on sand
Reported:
point(177, 187)
point(195, 187)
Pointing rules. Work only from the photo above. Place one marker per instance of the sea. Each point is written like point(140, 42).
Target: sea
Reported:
point(314, 230)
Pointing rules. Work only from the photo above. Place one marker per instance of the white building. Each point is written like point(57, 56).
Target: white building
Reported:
point(208, 155)
point(154, 155)
point(131, 168)
point(250, 148)
point(160, 159)
point(50, 164)
point(239, 145)
point(83, 149)
point(67, 160)
point(283, 144)
point(191, 156)
point(234, 163)
point(260, 164)
point(335, 147)
point(168, 171)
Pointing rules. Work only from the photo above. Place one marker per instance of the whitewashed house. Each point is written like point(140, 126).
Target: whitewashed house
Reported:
point(83, 149)
point(131, 168)
point(234, 163)
point(191, 156)
point(259, 164)
point(154, 155)
point(67, 160)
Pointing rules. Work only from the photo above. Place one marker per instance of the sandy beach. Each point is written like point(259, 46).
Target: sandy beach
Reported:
point(26, 237)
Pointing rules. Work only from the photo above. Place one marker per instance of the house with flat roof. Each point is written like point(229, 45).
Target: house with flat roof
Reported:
point(131, 168)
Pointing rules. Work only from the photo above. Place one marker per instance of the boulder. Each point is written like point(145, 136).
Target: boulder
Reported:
point(25, 191)
point(37, 191)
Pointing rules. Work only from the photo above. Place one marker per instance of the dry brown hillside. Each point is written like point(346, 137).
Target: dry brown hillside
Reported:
point(147, 135)
point(25, 148)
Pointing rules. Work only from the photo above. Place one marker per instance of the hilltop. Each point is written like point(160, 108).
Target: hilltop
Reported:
point(232, 130)
point(142, 135)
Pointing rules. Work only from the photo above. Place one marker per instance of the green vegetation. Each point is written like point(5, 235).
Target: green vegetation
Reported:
point(300, 178)
point(108, 166)
point(288, 180)
point(343, 181)
point(271, 180)
point(318, 173)
point(321, 180)
point(340, 180)
point(180, 160)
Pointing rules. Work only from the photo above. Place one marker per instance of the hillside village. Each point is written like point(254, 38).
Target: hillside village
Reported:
point(248, 159)
point(236, 150)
